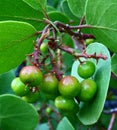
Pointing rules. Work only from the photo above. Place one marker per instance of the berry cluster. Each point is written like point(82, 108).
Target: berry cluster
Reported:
point(31, 82)
point(86, 70)
point(26, 85)
point(49, 50)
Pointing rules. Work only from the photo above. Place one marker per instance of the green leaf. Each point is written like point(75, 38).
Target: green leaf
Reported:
point(113, 83)
point(43, 126)
point(20, 11)
point(65, 125)
point(67, 11)
point(50, 8)
point(114, 64)
point(77, 7)
point(16, 40)
point(102, 17)
point(37, 4)
point(90, 112)
point(105, 120)
point(5, 82)
point(67, 40)
point(16, 114)
point(58, 16)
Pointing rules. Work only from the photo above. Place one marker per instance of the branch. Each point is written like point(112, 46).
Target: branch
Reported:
point(83, 54)
point(36, 53)
point(110, 111)
point(112, 121)
point(54, 66)
point(66, 26)
point(45, 34)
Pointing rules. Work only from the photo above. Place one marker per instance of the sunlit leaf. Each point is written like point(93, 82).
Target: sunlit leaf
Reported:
point(65, 125)
point(101, 15)
point(20, 11)
point(16, 114)
point(90, 112)
point(15, 42)
point(37, 4)
point(77, 7)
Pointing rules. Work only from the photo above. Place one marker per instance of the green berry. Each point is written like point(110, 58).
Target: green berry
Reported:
point(88, 90)
point(31, 75)
point(19, 87)
point(86, 69)
point(69, 87)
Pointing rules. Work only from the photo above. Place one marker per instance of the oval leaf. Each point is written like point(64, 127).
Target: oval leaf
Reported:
point(20, 11)
point(67, 11)
point(16, 40)
point(43, 126)
point(77, 7)
point(16, 114)
point(90, 112)
point(102, 17)
point(36, 4)
point(65, 125)
point(58, 16)
point(114, 64)
point(5, 82)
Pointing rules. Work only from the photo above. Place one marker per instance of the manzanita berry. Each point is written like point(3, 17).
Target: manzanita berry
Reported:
point(49, 84)
point(89, 41)
point(44, 48)
point(18, 87)
point(31, 97)
point(86, 69)
point(69, 86)
point(65, 104)
point(48, 110)
point(31, 75)
point(88, 90)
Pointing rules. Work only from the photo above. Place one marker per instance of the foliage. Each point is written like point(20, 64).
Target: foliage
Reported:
point(65, 26)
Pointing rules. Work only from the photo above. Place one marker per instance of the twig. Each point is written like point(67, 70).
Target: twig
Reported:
point(50, 124)
point(54, 66)
point(112, 121)
point(59, 62)
point(83, 54)
point(45, 34)
point(66, 26)
point(110, 111)
point(36, 52)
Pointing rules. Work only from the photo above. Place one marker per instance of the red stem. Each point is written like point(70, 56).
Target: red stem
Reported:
point(66, 26)
point(112, 121)
point(83, 54)
point(54, 67)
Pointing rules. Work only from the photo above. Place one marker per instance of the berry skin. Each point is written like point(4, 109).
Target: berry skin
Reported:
point(86, 69)
point(65, 104)
point(31, 75)
point(69, 87)
point(31, 97)
point(49, 84)
point(89, 41)
point(48, 110)
point(44, 48)
point(50, 96)
point(88, 90)
point(19, 87)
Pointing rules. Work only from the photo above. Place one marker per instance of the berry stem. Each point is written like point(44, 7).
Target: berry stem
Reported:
point(45, 34)
point(54, 66)
point(59, 61)
point(36, 53)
